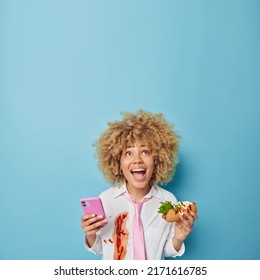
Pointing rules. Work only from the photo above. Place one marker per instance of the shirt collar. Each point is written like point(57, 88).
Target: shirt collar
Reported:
point(155, 192)
point(120, 190)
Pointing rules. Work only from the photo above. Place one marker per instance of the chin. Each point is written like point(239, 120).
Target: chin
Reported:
point(139, 185)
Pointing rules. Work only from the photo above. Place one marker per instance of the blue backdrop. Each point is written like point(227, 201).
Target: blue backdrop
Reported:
point(68, 67)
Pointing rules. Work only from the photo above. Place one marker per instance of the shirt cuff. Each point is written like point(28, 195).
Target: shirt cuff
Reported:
point(180, 252)
point(96, 248)
point(171, 252)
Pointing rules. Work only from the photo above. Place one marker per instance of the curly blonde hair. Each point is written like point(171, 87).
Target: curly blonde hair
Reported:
point(147, 128)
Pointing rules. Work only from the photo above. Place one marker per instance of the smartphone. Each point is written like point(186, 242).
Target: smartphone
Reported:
point(93, 205)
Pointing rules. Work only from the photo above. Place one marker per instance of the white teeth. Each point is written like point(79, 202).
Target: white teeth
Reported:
point(138, 170)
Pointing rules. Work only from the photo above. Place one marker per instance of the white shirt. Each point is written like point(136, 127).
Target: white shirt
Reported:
point(158, 233)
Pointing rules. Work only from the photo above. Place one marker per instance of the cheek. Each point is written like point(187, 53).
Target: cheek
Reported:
point(151, 166)
point(124, 163)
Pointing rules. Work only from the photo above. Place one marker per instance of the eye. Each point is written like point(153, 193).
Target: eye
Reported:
point(128, 153)
point(145, 152)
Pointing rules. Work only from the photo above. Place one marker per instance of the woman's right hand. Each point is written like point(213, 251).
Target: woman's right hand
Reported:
point(91, 224)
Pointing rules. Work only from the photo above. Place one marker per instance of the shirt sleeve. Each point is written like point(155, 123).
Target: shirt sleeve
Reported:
point(96, 247)
point(169, 250)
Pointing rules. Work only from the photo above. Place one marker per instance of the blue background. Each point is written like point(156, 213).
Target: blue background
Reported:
point(68, 67)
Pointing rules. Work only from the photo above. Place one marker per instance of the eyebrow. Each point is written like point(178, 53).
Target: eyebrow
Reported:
point(138, 146)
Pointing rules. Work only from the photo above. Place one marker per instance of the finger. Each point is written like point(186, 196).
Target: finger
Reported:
point(187, 219)
point(86, 225)
point(191, 217)
point(94, 226)
point(93, 232)
point(183, 228)
point(92, 220)
point(87, 216)
point(194, 215)
point(186, 224)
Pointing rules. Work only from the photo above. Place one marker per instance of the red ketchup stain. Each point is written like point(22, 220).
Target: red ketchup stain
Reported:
point(120, 236)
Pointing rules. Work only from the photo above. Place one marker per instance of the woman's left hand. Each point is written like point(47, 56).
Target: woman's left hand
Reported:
point(184, 227)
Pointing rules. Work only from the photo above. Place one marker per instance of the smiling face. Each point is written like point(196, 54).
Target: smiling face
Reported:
point(137, 164)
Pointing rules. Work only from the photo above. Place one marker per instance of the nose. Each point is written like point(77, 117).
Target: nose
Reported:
point(137, 158)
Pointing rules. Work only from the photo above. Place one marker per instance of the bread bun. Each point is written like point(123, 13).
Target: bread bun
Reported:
point(172, 216)
point(177, 210)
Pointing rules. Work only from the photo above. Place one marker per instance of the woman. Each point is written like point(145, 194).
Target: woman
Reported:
point(135, 154)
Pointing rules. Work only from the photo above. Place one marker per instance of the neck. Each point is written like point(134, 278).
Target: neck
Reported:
point(138, 194)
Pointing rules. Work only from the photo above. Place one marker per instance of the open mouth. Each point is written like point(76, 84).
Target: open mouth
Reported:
point(138, 173)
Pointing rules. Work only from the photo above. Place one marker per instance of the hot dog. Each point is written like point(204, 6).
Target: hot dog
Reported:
point(173, 211)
